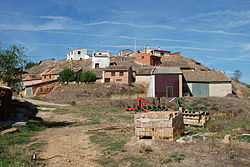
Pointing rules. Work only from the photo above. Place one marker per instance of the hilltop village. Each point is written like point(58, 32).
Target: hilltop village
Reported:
point(148, 107)
point(161, 72)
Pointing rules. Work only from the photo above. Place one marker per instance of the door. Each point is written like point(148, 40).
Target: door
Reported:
point(29, 92)
point(169, 91)
point(107, 80)
point(200, 89)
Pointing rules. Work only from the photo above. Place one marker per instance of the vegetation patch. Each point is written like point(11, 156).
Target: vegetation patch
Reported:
point(176, 157)
point(13, 151)
point(244, 138)
point(114, 142)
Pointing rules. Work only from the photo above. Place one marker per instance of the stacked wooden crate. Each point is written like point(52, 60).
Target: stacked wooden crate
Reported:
point(197, 118)
point(159, 125)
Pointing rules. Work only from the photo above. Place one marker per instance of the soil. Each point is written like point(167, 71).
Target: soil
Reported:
point(83, 92)
point(67, 146)
point(71, 147)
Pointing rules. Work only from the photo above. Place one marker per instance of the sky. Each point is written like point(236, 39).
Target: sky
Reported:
point(213, 32)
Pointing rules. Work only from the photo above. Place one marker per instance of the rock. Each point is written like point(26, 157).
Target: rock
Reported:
point(226, 139)
point(46, 109)
point(19, 123)
point(180, 141)
point(10, 130)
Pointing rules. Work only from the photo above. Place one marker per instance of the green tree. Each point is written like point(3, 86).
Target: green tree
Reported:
point(237, 75)
point(30, 65)
point(87, 77)
point(67, 75)
point(12, 62)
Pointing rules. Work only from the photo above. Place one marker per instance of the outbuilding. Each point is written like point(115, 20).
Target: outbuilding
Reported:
point(161, 81)
point(206, 83)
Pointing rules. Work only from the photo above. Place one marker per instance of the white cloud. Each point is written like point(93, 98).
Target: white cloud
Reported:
point(220, 22)
point(235, 58)
point(129, 24)
point(217, 32)
point(246, 47)
point(124, 11)
point(196, 48)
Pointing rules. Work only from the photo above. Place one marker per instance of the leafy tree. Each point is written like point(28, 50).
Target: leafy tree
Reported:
point(12, 62)
point(67, 75)
point(87, 77)
point(237, 75)
point(30, 65)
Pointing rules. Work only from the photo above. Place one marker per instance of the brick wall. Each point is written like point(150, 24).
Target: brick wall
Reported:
point(148, 59)
point(116, 76)
point(143, 58)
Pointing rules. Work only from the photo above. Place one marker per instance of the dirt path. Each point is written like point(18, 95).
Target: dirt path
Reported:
point(67, 146)
point(39, 102)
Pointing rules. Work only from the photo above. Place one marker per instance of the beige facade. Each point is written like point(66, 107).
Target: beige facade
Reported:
point(31, 82)
point(42, 88)
point(145, 80)
point(220, 89)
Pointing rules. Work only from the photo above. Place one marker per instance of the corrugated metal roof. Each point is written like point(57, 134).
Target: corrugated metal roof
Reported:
point(205, 76)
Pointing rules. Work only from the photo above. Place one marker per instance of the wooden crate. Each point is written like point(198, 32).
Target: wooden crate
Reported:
point(158, 125)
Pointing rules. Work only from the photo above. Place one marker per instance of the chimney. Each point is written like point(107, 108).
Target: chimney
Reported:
point(146, 48)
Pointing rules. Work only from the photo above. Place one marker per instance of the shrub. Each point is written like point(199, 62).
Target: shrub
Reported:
point(67, 75)
point(87, 77)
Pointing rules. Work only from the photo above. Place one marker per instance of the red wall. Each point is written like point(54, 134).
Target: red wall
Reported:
point(164, 80)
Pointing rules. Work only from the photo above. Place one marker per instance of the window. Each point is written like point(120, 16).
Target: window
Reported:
point(121, 73)
point(79, 52)
point(112, 73)
point(80, 58)
point(118, 80)
point(97, 65)
point(142, 57)
point(162, 53)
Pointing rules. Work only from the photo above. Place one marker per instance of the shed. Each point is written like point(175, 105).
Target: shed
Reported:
point(161, 81)
point(166, 82)
point(206, 83)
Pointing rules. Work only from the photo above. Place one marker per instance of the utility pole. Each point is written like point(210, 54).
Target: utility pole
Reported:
point(135, 45)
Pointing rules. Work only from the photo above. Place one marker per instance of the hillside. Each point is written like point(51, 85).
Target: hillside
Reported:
point(85, 65)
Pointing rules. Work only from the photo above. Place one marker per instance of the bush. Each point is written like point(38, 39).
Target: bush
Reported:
point(87, 77)
point(67, 75)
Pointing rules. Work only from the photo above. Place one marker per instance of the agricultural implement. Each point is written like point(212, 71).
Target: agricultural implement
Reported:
point(192, 115)
point(145, 105)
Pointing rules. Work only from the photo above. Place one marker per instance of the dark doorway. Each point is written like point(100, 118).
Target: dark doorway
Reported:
point(107, 80)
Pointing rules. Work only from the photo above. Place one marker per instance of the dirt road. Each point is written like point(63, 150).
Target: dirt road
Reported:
point(67, 146)
point(39, 102)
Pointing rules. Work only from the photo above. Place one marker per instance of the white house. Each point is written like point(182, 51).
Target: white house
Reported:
point(155, 52)
point(100, 59)
point(77, 54)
